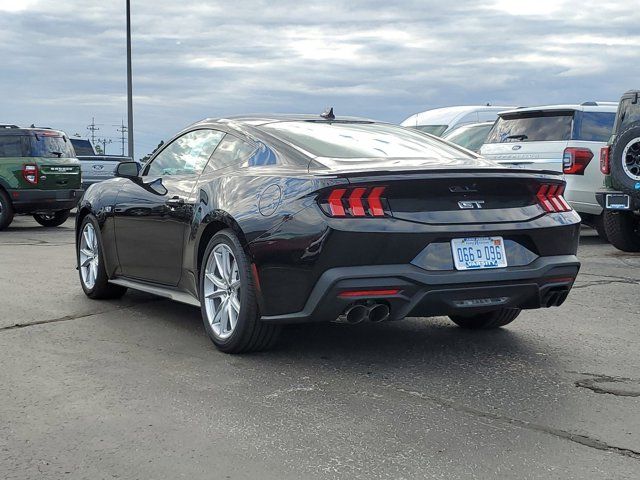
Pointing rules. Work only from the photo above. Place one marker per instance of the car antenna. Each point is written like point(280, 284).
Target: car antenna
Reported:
point(328, 114)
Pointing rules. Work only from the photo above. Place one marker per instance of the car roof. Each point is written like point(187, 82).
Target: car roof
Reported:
point(446, 115)
point(610, 107)
point(263, 119)
point(9, 129)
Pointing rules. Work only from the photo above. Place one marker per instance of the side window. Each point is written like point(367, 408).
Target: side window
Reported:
point(12, 146)
point(230, 151)
point(186, 155)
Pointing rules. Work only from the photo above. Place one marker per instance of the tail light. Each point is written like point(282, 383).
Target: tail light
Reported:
point(355, 202)
point(551, 199)
point(575, 160)
point(30, 173)
point(604, 160)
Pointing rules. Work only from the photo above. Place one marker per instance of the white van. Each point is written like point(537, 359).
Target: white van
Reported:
point(562, 138)
point(441, 120)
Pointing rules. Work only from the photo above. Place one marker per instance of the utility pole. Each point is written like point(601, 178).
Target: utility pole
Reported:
point(123, 129)
point(104, 142)
point(129, 84)
point(93, 129)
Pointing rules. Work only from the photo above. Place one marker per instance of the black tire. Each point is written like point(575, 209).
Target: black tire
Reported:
point(598, 224)
point(621, 178)
point(623, 230)
point(102, 289)
point(487, 320)
point(250, 333)
point(54, 219)
point(6, 210)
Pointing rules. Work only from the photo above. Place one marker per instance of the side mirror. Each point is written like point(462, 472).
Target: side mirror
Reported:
point(128, 170)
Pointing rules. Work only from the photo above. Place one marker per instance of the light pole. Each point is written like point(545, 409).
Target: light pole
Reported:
point(129, 85)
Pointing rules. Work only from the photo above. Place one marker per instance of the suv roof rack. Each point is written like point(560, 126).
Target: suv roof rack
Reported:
point(8, 125)
point(589, 104)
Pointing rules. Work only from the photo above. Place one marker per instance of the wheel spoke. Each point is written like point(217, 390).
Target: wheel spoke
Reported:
point(232, 315)
point(215, 280)
point(235, 303)
point(86, 262)
point(217, 294)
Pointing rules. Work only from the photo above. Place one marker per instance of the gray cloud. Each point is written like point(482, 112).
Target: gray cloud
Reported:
point(63, 62)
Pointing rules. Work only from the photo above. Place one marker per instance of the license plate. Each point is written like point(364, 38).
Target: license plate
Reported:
point(478, 253)
point(617, 201)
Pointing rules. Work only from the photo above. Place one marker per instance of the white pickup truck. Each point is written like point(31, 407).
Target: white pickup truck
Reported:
point(95, 167)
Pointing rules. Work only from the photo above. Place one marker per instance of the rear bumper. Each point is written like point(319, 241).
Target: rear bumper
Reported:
point(30, 201)
point(601, 196)
point(543, 283)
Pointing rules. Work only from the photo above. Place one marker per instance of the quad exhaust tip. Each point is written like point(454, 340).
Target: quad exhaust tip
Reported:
point(379, 312)
point(358, 313)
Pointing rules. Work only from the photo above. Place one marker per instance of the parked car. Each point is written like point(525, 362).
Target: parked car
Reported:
point(562, 138)
point(267, 220)
point(95, 167)
point(620, 163)
point(470, 136)
point(39, 175)
point(439, 121)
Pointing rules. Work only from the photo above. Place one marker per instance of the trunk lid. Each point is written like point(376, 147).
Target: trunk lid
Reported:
point(57, 173)
point(531, 155)
point(461, 196)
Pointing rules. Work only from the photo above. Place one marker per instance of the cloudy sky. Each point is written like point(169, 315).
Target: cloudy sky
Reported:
point(63, 62)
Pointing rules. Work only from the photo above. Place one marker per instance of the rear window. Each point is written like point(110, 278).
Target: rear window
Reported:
point(35, 146)
point(532, 127)
point(594, 126)
point(628, 113)
point(361, 140)
point(82, 147)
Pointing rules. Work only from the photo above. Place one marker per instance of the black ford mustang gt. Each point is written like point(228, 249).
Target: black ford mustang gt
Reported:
point(267, 220)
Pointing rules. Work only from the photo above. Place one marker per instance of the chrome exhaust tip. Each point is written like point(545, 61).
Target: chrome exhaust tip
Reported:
point(354, 314)
point(379, 312)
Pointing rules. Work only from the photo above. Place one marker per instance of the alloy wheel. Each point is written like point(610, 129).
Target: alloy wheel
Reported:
point(631, 159)
point(222, 291)
point(89, 256)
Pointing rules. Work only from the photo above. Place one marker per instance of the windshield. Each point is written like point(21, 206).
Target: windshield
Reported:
point(471, 136)
point(532, 127)
point(361, 140)
point(436, 130)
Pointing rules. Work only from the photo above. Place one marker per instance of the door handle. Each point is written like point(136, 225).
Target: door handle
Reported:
point(175, 201)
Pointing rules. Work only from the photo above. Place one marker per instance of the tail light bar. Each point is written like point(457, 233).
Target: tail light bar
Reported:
point(575, 160)
point(355, 202)
point(30, 173)
point(605, 166)
point(551, 199)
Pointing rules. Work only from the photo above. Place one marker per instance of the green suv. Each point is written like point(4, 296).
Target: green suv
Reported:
point(39, 175)
point(620, 163)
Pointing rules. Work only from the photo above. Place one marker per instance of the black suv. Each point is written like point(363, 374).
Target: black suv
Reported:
point(620, 162)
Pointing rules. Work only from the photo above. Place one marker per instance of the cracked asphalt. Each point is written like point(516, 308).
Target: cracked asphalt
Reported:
point(134, 389)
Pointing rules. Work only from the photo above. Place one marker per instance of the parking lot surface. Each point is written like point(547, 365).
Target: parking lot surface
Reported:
point(133, 388)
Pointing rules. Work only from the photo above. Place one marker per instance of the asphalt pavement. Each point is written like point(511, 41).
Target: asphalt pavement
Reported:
point(133, 388)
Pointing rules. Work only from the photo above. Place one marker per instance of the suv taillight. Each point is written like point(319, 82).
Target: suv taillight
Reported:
point(551, 199)
point(355, 202)
point(575, 160)
point(604, 160)
point(30, 173)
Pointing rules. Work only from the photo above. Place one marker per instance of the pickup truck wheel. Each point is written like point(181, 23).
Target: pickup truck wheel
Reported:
point(625, 160)
point(6, 210)
point(54, 219)
point(486, 321)
point(623, 230)
point(228, 298)
point(93, 275)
